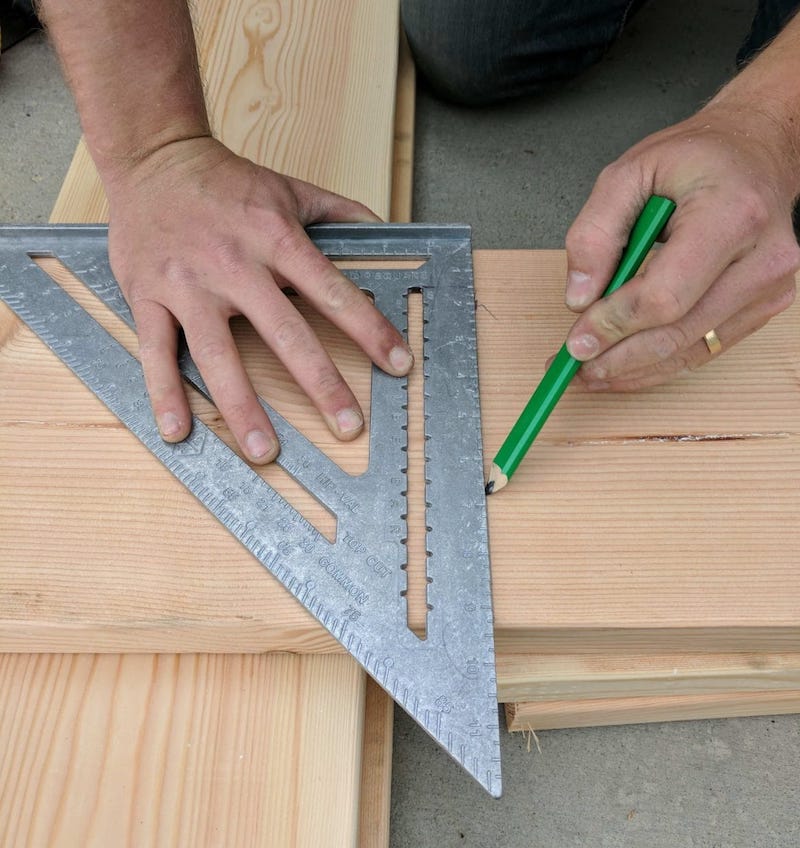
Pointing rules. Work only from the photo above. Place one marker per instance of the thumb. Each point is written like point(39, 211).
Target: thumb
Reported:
point(598, 235)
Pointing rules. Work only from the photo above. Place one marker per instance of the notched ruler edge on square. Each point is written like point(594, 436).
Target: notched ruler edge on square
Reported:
point(445, 681)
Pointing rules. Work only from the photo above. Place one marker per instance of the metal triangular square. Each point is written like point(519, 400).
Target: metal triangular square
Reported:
point(352, 585)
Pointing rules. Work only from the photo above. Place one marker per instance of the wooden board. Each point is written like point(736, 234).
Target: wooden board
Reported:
point(560, 677)
point(194, 750)
point(376, 769)
point(551, 715)
point(665, 520)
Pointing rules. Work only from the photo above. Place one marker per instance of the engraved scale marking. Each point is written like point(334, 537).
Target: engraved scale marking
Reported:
point(446, 681)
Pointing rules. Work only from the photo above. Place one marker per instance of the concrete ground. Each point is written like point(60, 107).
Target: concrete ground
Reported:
point(519, 173)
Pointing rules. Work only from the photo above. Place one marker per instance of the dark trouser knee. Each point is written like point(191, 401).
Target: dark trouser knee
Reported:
point(482, 51)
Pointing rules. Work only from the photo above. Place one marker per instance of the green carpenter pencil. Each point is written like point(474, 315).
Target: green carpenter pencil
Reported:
point(645, 231)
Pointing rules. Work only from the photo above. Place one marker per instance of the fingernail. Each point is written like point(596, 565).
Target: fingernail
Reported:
point(583, 347)
point(258, 444)
point(578, 294)
point(349, 420)
point(401, 359)
point(169, 424)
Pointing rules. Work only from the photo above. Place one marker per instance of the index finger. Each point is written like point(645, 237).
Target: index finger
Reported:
point(341, 301)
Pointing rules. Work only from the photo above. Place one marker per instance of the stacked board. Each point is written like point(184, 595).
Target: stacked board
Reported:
point(645, 556)
point(641, 528)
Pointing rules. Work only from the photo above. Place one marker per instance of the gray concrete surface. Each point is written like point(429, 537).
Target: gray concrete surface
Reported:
point(38, 131)
point(519, 173)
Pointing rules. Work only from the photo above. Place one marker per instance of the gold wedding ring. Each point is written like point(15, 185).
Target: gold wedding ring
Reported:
point(713, 343)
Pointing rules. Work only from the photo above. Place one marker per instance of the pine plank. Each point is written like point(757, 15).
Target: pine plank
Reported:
point(552, 715)
point(559, 677)
point(141, 750)
point(376, 769)
point(665, 520)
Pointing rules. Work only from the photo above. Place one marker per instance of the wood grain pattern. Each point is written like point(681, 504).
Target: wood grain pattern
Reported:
point(376, 769)
point(308, 88)
point(665, 520)
point(197, 750)
point(551, 715)
point(668, 517)
point(559, 677)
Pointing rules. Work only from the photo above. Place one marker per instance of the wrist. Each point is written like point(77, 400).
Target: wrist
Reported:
point(137, 87)
point(118, 164)
point(165, 166)
point(765, 124)
point(764, 101)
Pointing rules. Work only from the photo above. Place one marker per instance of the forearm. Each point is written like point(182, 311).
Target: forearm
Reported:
point(132, 67)
point(770, 87)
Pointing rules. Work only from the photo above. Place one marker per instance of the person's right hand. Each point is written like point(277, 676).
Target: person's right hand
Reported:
point(198, 235)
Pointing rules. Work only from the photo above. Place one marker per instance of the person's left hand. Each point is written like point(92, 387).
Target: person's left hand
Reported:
point(730, 255)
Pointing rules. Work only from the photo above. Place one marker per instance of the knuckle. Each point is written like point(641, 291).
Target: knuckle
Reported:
point(229, 256)
point(284, 236)
point(783, 301)
point(587, 236)
point(149, 349)
point(210, 349)
point(163, 394)
point(784, 260)
point(239, 410)
point(178, 273)
point(667, 341)
point(340, 294)
point(610, 174)
point(753, 210)
point(660, 305)
point(685, 364)
point(612, 323)
point(329, 384)
point(290, 333)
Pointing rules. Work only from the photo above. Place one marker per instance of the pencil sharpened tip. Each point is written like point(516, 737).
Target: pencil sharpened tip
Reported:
point(496, 480)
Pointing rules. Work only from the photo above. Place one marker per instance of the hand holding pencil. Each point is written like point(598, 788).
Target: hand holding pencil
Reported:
point(650, 223)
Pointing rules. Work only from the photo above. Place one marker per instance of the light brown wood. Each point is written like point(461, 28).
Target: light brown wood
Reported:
point(665, 520)
point(551, 715)
point(376, 769)
point(201, 750)
point(559, 677)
